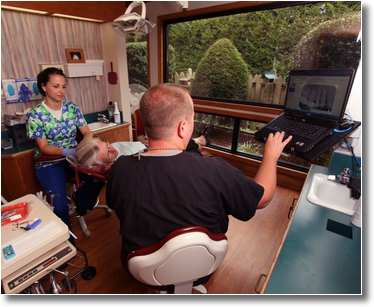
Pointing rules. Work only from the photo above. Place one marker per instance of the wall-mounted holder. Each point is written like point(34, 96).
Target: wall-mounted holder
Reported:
point(89, 69)
point(92, 68)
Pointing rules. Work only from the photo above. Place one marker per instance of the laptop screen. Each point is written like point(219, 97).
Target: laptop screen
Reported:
point(318, 94)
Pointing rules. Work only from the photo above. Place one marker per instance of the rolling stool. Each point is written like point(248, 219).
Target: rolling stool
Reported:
point(186, 256)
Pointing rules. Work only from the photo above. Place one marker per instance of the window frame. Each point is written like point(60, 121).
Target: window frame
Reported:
point(252, 110)
point(235, 143)
point(241, 110)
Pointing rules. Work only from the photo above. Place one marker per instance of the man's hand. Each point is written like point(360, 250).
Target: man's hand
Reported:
point(267, 173)
point(275, 145)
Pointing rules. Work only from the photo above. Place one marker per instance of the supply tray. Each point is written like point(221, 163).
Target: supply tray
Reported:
point(14, 213)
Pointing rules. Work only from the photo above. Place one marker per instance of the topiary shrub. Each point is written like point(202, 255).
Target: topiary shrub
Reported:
point(221, 73)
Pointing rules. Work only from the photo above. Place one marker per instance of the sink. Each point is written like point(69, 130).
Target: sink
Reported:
point(332, 195)
point(100, 126)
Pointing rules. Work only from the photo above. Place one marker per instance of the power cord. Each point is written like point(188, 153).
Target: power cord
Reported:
point(357, 162)
point(349, 128)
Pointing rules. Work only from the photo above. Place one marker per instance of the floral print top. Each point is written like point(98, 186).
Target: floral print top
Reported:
point(41, 124)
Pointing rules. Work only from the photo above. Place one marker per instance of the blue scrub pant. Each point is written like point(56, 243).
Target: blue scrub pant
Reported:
point(53, 178)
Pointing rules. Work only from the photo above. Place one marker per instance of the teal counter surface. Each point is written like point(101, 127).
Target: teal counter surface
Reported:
point(314, 260)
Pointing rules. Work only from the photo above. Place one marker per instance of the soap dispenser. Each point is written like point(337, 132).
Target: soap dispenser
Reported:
point(117, 115)
point(110, 110)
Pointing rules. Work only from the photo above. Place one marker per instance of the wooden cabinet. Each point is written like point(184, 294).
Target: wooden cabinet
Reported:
point(254, 247)
point(18, 171)
point(116, 134)
point(18, 175)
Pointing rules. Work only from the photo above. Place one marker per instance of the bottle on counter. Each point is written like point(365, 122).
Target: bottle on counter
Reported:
point(117, 115)
point(110, 110)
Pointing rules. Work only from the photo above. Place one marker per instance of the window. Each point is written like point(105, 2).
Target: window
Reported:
point(223, 137)
point(247, 56)
point(242, 54)
point(247, 144)
point(221, 129)
point(137, 59)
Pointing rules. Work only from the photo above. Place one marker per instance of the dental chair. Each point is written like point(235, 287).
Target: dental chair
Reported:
point(184, 256)
point(98, 172)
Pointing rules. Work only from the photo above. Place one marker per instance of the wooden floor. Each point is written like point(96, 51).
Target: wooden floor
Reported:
point(252, 249)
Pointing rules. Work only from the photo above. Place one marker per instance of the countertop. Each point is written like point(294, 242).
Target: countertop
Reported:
point(314, 260)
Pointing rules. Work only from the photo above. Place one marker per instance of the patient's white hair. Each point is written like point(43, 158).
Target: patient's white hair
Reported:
point(87, 151)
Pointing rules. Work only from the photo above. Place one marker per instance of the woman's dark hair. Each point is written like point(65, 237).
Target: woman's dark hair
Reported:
point(44, 76)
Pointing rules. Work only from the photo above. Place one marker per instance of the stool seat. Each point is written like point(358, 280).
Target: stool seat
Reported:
point(184, 256)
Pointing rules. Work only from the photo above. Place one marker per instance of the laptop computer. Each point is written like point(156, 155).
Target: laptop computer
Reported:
point(314, 107)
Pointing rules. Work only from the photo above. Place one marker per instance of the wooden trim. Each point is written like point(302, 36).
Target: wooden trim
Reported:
point(216, 9)
point(100, 10)
point(160, 45)
point(237, 110)
point(286, 177)
point(149, 61)
point(17, 154)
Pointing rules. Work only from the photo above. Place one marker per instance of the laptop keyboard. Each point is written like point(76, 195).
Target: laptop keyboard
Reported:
point(296, 128)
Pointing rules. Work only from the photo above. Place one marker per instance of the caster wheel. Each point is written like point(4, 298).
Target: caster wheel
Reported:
point(88, 273)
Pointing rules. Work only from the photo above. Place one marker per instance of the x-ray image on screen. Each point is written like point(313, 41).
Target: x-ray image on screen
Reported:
point(317, 97)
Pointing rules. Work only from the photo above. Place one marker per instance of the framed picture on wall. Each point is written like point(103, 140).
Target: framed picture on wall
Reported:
point(75, 55)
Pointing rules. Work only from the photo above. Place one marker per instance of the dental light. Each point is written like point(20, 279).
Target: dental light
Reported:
point(133, 22)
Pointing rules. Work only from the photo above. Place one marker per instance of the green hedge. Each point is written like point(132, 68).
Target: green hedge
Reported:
point(221, 73)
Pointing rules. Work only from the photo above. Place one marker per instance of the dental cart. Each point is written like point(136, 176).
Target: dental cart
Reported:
point(30, 254)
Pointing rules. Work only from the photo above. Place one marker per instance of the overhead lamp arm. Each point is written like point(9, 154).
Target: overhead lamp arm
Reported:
point(183, 4)
point(135, 4)
point(133, 22)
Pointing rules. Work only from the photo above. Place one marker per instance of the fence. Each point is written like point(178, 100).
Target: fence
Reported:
point(261, 89)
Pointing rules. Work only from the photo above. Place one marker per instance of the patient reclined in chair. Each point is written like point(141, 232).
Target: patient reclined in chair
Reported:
point(93, 151)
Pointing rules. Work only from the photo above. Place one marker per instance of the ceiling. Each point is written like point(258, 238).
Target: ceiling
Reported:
point(98, 10)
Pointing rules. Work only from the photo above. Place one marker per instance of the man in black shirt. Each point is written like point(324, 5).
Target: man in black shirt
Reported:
point(166, 187)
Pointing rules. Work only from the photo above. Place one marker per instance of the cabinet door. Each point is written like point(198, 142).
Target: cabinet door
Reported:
point(18, 175)
point(253, 247)
point(118, 134)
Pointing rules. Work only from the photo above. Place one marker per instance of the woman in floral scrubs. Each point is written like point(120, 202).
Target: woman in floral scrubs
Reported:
point(53, 124)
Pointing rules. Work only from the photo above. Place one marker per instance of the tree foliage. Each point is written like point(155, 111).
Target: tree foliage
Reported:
point(221, 73)
point(137, 62)
point(261, 37)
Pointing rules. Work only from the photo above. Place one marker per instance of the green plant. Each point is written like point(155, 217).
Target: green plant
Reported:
point(221, 73)
point(137, 62)
point(249, 147)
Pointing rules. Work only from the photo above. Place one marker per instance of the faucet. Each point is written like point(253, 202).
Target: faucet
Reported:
point(343, 177)
point(102, 118)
